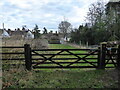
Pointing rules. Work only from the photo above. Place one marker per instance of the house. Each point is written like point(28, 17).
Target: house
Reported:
point(53, 38)
point(29, 35)
point(5, 33)
point(113, 15)
point(56, 38)
point(113, 5)
point(17, 34)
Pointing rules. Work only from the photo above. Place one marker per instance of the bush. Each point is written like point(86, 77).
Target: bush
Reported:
point(34, 43)
point(39, 44)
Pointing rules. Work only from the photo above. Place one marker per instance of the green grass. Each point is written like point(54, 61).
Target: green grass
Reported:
point(59, 78)
point(60, 46)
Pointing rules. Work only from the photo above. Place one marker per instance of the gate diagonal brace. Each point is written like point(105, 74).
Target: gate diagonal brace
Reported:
point(110, 56)
point(88, 62)
point(50, 58)
point(79, 58)
point(83, 58)
point(45, 59)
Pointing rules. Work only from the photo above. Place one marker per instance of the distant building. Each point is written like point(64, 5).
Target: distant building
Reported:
point(29, 35)
point(5, 34)
point(113, 5)
point(53, 38)
point(17, 34)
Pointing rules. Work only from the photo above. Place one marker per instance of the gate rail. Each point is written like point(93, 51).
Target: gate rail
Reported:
point(51, 58)
point(102, 55)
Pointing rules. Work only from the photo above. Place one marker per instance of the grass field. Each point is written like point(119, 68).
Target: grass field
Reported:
point(59, 78)
point(60, 46)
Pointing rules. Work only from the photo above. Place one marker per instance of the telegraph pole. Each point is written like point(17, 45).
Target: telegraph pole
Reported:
point(3, 26)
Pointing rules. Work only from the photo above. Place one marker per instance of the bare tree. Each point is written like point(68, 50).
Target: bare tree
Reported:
point(96, 12)
point(65, 27)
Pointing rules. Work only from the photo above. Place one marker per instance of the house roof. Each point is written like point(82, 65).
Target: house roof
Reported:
point(114, 1)
point(4, 33)
point(16, 32)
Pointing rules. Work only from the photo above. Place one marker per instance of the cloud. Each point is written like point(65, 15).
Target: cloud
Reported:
point(78, 15)
point(48, 13)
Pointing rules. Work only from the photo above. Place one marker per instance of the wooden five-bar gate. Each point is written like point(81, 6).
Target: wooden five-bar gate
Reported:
point(100, 58)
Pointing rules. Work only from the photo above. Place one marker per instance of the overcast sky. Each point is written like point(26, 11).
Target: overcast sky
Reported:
point(44, 13)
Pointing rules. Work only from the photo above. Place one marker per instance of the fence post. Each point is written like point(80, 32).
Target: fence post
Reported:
point(28, 60)
point(98, 62)
point(118, 58)
point(101, 60)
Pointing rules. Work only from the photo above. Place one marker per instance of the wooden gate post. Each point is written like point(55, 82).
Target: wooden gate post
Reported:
point(102, 55)
point(118, 58)
point(99, 55)
point(28, 59)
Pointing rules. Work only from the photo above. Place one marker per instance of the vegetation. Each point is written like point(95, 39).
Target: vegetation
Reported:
point(45, 31)
point(36, 31)
point(34, 43)
point(102, 25)
point(19, 78)
point(60, 46)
